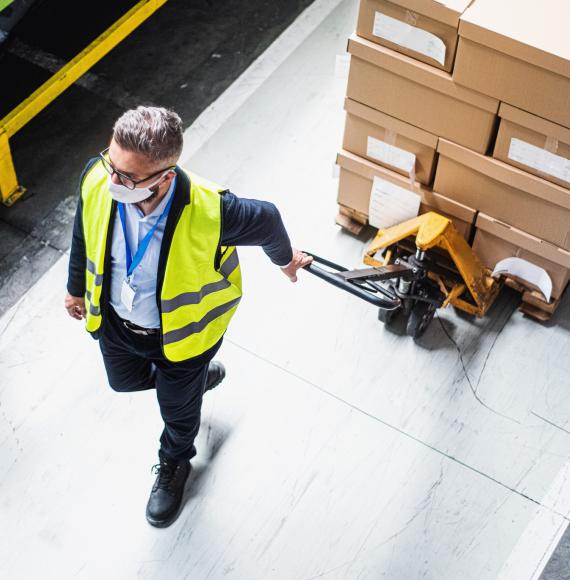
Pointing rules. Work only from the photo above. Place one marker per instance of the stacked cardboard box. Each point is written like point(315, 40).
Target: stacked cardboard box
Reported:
point(517, 51)
point(401, 99)
point(466, 105)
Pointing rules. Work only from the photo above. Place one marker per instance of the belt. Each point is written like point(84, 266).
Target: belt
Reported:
point(132, 326)
point(139, 329)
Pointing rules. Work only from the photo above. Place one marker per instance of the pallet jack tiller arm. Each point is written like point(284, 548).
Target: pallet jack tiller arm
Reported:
point(360, 283)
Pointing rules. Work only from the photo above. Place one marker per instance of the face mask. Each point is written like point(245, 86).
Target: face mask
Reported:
point(122, 193)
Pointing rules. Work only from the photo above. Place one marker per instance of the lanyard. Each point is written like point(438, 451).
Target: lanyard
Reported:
point(133, 262)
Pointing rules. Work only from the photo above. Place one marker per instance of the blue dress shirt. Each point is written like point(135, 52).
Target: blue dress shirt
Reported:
point(145, 312)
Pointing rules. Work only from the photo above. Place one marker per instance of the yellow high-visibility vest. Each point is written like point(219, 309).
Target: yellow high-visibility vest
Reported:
point(198, 297)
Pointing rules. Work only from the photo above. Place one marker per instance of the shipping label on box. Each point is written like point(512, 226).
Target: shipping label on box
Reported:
point(391, 204)
point(540, 159)
point(409, 36)
point(391, 155)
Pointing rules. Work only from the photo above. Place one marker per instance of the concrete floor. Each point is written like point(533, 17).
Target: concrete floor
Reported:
point(335, 448)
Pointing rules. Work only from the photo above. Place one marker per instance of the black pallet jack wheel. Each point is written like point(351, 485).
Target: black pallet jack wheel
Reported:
point(420, 317)
point(387, 316)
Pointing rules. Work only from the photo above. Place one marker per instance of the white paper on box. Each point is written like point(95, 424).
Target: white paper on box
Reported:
point(342, 66)
point(391, 155)
point(409, 36)
point(391, 204)
point(526, 271)
point(539, 159)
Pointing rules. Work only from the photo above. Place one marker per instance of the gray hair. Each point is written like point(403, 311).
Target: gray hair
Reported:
point(155, 132)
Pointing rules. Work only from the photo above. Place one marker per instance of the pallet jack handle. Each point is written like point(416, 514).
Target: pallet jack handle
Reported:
point(369, 295)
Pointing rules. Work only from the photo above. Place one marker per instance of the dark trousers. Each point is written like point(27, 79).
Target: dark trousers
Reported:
point(135, 362)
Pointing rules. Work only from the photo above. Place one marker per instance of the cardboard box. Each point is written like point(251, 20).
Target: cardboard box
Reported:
point(355, 185)
point(494, 241)
point(420, 95)
point(516, 197)
point(534, 144)
point(518, 52)
point(426, 30)
point(389, 142)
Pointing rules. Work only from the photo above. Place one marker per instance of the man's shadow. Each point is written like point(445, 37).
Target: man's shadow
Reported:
point(216, 435)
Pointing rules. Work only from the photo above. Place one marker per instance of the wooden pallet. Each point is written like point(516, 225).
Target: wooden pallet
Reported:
point(351, 220)
point(532, 301)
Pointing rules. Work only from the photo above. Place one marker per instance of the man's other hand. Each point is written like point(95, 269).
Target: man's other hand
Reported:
point(75, 306)
point(300, 259)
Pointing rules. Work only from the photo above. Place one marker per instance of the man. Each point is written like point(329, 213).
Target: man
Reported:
point(154, 271)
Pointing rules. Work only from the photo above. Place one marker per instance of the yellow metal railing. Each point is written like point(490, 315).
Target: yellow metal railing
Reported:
point(10, 189)
point(5, 4)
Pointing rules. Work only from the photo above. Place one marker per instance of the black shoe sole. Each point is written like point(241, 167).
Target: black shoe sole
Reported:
point(163, 523)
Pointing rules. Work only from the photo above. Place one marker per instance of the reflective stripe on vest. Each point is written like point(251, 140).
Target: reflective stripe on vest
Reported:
point(196, 301)
point(195, 297)
point(97, 203)
point(93, 269)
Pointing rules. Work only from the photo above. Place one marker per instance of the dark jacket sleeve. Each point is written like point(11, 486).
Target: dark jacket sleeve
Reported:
point(252, 222)
point(77, 258)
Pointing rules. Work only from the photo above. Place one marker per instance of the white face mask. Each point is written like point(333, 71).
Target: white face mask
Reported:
point(122, 193)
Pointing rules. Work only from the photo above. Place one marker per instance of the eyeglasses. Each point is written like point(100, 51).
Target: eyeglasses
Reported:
point(126, 180)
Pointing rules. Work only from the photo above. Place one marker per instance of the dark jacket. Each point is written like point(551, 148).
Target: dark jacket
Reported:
point(245, 222)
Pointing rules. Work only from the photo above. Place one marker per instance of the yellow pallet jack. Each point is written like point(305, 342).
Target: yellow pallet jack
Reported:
point(438, 269)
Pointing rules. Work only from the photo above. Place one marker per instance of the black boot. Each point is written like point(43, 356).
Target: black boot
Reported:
point(216, 374)
point(166, 495)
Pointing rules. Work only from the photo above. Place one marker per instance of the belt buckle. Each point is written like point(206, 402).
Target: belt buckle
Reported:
point(127, 324)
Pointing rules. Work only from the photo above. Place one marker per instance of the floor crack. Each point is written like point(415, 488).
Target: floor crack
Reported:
point(507, 318)
point(550, 422)
point(473, 389)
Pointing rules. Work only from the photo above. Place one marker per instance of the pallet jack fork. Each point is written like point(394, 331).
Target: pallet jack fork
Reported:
point(419, 282)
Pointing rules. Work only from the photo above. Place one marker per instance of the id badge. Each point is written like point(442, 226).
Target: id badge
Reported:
point(127, 294)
